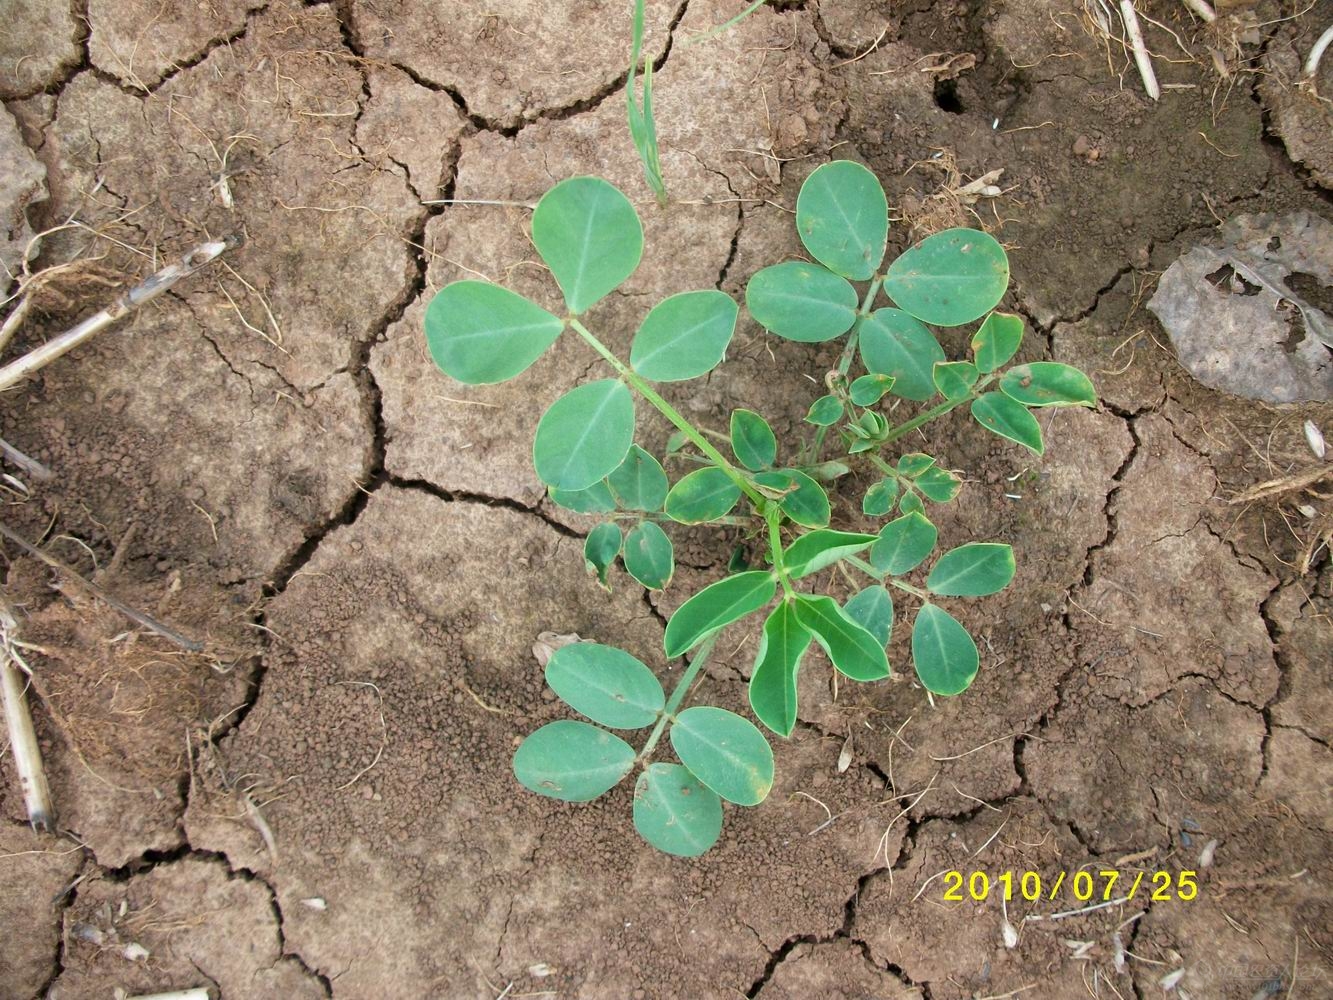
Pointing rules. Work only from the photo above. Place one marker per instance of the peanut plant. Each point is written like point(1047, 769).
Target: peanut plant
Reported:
point(588, 234)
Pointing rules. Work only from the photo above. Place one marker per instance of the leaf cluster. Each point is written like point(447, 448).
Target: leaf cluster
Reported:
point(584, 450)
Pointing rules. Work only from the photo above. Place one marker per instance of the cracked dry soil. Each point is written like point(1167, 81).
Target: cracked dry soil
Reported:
point(321, 806)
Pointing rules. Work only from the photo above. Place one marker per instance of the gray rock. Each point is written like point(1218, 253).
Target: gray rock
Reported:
point(1245, 315)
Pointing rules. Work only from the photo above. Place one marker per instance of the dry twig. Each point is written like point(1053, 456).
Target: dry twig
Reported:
point(1287, 484)
point(145, 291)
point(18, 721)
point(31, 466)
point(148, 622)
point(1141, 58)
point(1202, 9)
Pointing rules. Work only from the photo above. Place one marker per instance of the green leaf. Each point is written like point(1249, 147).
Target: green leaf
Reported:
point(739, 561)
point(1048, 383)
point(1009, 419)
point(870, 389)
point(639, 482)
point(972, 570)
point(752, 440)
point(997, 341)
point(606, 684)
point(600, 549)
point(805, 501)
point(904, 544)
point(589, 235)
point(825, 411)
point(684, 336)
point(715, 607)
point(725, 752)
point(674, 812)
point(773, 683)
point(642, 125)
point(911, 504)
point(649, 557)
point(843, 219)
point(677, 442)
point(914, 463)
point(872, 609)
point(880, 498)
point(951, 278)
point(596, 499)
point(572, 761)
point(955, 379)
point(944, 654)
point(816, 549)
point(584, 435)
point(828, 471)
point(895, 343)
point(939, 484)
point(872, 423)
point(802, 302)
point(853, 650)
point(479, 333)
point(704, 495)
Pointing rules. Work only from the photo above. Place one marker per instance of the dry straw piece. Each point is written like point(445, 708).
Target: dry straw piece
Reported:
point(18, 722)
point(141, 293)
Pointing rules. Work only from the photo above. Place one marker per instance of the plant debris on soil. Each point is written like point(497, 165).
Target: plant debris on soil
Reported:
point(320, 803)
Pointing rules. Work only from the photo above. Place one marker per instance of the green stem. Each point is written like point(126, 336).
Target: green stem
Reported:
point(864, 567)
point(909, 589)
point(713, 32)
point(875, 574)
point(638, 515)
point(667, 410)
point(905, 484)
point(774, 519)
point(937, 411)
point(849, 352)
point(678, 695)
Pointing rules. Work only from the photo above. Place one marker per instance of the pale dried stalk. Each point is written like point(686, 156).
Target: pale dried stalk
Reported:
point(33, 467)
point(1296, 481)
point(198, 993)
point(147, 621)
point(22, 737)
point(1141, 58)
point(1317, 53)
point(1201, 8)
point(14, 320)
point(145, 291)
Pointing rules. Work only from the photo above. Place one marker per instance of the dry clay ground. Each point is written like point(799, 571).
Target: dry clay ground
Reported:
point(322, 804)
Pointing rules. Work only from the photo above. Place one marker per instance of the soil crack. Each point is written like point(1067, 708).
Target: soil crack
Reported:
point(480, 122)
point(78, 10)
point(1089, 575)
point(61, 905)
point(845, 932)
point(462, 496)
point(150, 860)
point(209, 48)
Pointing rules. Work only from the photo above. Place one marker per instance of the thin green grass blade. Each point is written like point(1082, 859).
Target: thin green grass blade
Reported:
point(642, 127)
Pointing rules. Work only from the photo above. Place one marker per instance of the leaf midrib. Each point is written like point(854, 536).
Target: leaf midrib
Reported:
point(747, 771)
point(651, 355)
point(572, 453)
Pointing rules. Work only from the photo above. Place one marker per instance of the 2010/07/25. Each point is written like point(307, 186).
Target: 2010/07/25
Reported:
point(1082, 885)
